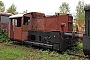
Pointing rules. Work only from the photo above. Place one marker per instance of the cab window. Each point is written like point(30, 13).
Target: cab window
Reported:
point(26, 20)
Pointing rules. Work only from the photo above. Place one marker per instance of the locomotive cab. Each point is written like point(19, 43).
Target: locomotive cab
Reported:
point(20, 24)
point(18, 27)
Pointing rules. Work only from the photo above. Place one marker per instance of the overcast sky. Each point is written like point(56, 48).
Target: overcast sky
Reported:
point(46, 6)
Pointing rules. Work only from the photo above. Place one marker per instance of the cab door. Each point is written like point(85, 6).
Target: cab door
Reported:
point(25, 27)
point(17, 28)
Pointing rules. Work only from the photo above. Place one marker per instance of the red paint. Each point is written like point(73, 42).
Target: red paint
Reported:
point(4, 26)
point(24, 35)
point(10, 30)
point(17, 33)
point(52, 23)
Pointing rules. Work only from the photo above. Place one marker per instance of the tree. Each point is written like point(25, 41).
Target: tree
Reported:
point(80, 14)
point(64, 8)
point(12, 9)
point(2, 7)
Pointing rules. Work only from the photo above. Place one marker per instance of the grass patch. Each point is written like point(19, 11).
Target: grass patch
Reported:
point(18, 52)
point(11, 54)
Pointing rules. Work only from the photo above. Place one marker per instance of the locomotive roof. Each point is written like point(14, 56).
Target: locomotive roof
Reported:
point(5, 14)
point(33, 13)
point(16, 16)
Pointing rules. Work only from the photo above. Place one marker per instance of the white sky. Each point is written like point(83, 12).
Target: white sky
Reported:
point(46, 6)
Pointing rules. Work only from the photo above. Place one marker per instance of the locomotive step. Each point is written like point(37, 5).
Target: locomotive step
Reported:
point(38, 44)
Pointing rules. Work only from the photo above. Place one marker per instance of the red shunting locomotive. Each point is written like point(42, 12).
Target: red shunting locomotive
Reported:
point(54, 32)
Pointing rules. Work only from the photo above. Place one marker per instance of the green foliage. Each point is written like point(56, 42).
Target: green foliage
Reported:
point(4, 37)
point(64, 8)
point(12, 9)
point(80, 14)
point(17, 52)
point(11, 54)
point(2, 7)
point(74, 27)
point(78, 47)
